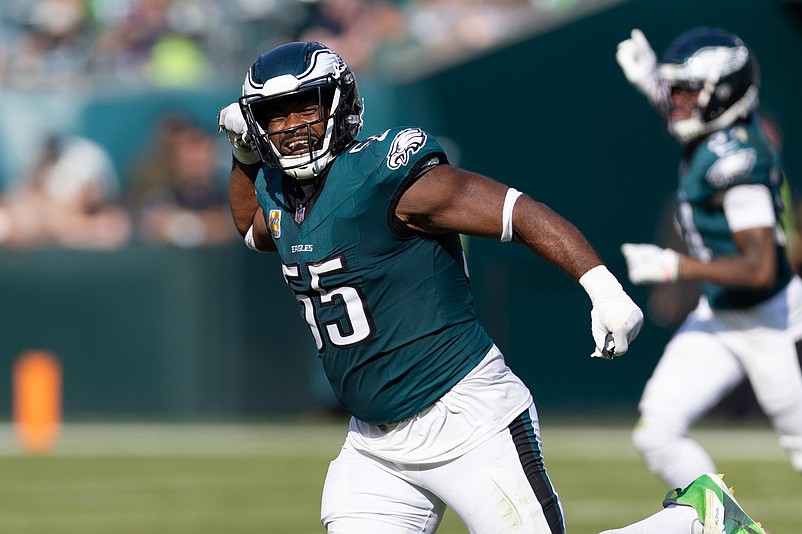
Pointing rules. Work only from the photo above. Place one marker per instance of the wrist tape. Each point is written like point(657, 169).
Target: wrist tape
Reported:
point(600, 284)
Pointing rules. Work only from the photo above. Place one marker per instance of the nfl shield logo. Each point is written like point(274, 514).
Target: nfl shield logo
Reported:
point(275, 223)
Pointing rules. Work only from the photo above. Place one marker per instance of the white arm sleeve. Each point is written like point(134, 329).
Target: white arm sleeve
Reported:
point(749, 206)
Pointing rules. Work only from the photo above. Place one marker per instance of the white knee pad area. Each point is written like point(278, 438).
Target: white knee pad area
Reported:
point(793, 447)
point(650, 439)
point(672, 456)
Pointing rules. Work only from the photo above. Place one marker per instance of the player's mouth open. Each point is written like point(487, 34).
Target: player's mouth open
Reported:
point(296, 147)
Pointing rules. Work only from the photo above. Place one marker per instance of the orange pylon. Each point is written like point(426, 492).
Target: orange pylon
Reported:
point(37, 400)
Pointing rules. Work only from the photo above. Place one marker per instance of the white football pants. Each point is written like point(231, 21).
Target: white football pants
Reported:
point(708, 356)
point(499, 487)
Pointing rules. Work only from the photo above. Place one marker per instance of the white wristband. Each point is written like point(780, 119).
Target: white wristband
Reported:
point(600, 284)
point(249, 240)
point(506, 214)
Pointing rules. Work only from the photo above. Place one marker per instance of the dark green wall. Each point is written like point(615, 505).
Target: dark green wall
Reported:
point(160, 332)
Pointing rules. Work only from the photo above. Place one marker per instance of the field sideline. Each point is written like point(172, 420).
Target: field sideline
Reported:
point(266, 477)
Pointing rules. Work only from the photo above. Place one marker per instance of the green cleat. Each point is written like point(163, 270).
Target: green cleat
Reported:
point(718, 510)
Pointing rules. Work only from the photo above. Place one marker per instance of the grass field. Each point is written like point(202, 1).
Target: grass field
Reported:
point(266, 477)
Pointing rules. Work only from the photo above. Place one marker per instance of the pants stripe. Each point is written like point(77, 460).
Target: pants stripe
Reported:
point(528, 445)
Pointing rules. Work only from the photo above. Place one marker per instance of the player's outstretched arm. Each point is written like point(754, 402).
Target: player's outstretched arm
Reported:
point(449, 199)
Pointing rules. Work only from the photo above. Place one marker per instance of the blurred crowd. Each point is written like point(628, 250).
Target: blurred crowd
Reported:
point(174, 193)
point(184, 42)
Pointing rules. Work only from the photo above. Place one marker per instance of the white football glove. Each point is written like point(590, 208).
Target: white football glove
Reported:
point(650, 264)
point(615, 319)
point(231, 121)
point(639, 63)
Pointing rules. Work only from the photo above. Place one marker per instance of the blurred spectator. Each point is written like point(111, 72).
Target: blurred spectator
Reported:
point(357, 29)
point(68, 199)
point(177, 61)
point(129, 33)
point(178, 43)
point(150, 42)
point(450, 26)
point(177, 188)
point(53, 45)
point(451, 30)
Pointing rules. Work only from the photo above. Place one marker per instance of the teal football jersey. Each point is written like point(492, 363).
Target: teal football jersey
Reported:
point(390, 310)
point(736, 155)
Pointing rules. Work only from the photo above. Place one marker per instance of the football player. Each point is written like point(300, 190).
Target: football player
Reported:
point(368, 235)
point(748, 322)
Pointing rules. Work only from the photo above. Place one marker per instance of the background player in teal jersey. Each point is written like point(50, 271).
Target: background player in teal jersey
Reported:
point(748, 322)
point(368, 235)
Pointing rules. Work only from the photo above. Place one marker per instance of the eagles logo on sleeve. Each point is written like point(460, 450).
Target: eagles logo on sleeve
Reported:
point(730, 167)
point(405, 144)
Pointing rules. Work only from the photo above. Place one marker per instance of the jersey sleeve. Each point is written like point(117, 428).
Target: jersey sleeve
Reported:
point(398, 157)
point(735, 158)
point(749, 206)
point(732, 168)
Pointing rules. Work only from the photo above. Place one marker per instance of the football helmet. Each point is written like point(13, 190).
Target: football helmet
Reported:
point(721, 68)
point(295, 68)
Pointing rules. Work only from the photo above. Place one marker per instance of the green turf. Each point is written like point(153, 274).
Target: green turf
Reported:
point(267, 477)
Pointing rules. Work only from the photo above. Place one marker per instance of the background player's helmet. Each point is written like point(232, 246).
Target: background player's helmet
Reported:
point(721, 67)
point(295, 68)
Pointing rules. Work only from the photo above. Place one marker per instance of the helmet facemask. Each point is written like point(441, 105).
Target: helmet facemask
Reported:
point(723, 73)
point(317, 153)
point(273, 90)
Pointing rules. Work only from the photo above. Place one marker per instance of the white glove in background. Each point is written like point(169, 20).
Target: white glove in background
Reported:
point(614, 314)
point(231, 121)
point(639, 63)
point(650, 264)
